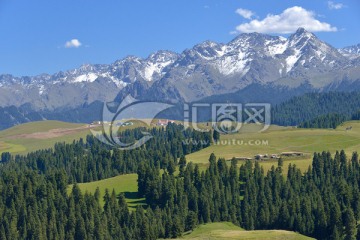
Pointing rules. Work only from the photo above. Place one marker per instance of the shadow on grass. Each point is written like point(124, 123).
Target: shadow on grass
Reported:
point(131, 195)
point(134, 204)
point(138, 202)
point(133, 200)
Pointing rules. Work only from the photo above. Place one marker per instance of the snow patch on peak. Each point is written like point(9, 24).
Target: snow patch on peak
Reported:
point(41, 89)
point(88, 77)
point(321, 55)
point(119, 83)
point(206, 44)
point(351, 52)
point(283, 39)
point(156, 63)
point(231, 64)
point(276, 48)
point(292, 59)
point(152, 68)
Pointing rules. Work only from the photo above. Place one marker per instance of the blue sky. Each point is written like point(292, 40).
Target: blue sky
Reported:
point(48, 36)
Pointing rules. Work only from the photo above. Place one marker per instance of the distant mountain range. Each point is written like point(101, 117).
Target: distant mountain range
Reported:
point(252, 67)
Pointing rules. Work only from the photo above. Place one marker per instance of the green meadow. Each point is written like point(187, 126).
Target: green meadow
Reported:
point(227, 230)
point(247, 143)
point(33, 136)
point(126, 184)
point(282, 139)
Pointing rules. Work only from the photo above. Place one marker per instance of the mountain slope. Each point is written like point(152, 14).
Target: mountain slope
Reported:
point(207, 69)
point(253, 59)
point(12, 115)
point(351, 51)
point(89, 83)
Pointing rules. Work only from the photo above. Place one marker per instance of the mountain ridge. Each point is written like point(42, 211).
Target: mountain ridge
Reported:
point(207, 69)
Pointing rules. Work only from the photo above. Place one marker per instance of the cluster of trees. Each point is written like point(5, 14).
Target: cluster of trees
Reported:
point(356, 116)
point(36, 206)
point(34, 203)
point(308, 107)
point(324, 202)
point(92, 160)
point(193, 197)
point(331, 120)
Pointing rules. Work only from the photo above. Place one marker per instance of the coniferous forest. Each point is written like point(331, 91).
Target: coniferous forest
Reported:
point(323, 202)
point(331, 120)
point(317, 110)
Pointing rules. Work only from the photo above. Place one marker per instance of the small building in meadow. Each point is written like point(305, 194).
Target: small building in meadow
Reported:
point(292, 154)
point(164, 122)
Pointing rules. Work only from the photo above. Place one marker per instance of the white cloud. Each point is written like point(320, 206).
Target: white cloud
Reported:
point(245, 13)
point(336, 6)
point(73, 43)
point(287, 22)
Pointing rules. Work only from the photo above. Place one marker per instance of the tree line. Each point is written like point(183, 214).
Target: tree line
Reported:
point(317, 109)
point(331, 120)
point(91, 160)
point(324, 202)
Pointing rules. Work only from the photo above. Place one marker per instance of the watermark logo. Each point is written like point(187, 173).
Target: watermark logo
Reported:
point(228, 142)
point(228, 118)
point(258, 113)
point(129, 111)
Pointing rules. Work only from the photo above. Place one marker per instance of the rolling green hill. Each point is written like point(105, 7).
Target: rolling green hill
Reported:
point(280, 139)
point(226, 230)
point(33, 136)
point(39, 135)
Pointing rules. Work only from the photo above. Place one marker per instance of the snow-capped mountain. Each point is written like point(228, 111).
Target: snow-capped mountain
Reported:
point(351, 52)
point(85, 84)
point(207, 69)
point(211, 68)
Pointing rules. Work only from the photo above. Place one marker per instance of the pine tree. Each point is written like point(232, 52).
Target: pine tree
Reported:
point(216, 136)
point(182, 165)
point(350, 225)
point(171, 167)
point(191, 221)
point(97, 194)
point(335, 235)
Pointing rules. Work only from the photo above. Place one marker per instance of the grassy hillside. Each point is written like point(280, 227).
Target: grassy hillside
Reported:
point(33, 136)
point(226, 230)
point(278, 139)
point(126, 184)
point(39, 135)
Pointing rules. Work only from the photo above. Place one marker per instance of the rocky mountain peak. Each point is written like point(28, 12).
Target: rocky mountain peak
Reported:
point(207, 68)
point(351, 52)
